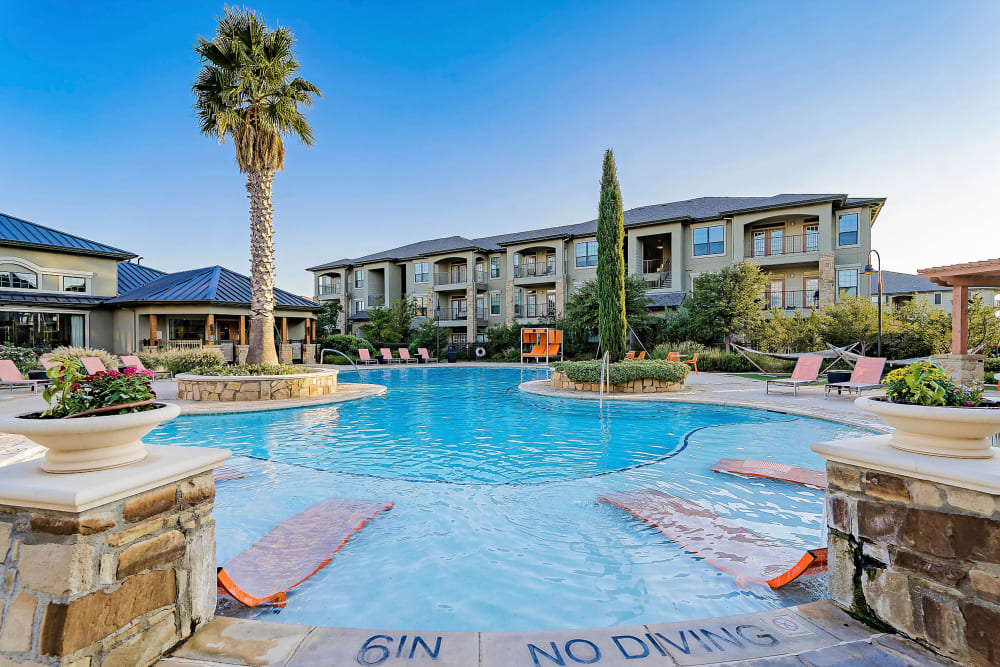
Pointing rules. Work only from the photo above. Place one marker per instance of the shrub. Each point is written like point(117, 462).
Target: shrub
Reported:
point(64, 352)
point(24, 358)
point(927, 383)
point(349, 345)
point(992, 365)
point(73, 392)
point(250, 369)
point(182, 361)
point(623, 371)
point(429, 335)
point(715, 360)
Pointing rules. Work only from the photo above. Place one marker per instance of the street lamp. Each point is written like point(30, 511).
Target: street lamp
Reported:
point(869, 270)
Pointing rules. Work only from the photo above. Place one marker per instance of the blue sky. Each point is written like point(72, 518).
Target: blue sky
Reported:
point(477, 119)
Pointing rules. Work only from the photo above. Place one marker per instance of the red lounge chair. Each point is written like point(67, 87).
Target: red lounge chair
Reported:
point(11, 377)
point(867, 375)
point(404, 355)
point(386, 355)
point(425, 355)
point(92, 365)
point(805, 372)
point(365, 358)
point(131, 361)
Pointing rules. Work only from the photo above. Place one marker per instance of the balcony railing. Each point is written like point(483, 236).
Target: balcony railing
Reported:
point(790, 299)
point(327, 290)
point(782, 245)
point(656, 273)
point(536, 271)
point(458, 277)
point(375, 301)
point(534, 310)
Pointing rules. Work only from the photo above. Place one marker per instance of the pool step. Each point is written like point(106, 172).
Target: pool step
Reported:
point(771, 470)
point(295, 550)
point(723, 543)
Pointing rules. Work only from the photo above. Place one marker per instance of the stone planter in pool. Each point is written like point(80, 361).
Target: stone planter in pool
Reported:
point(256, 387)
point(955, 432)
point(560, 381)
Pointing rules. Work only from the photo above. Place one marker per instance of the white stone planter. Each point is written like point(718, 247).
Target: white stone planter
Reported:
point(91, 443)
point(962, 433)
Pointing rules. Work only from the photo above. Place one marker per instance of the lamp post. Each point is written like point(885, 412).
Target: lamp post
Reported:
point(869, 270)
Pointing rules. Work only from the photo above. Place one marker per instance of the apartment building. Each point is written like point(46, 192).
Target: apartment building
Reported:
point(898, 288)
point(812, 247)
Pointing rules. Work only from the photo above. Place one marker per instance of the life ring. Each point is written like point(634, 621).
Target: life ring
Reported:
point(480, 352)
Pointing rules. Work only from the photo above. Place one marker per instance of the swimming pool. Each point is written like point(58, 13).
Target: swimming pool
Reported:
point(495, 525)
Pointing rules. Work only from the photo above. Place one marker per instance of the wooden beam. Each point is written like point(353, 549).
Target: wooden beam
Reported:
point(209, 322)
point(284, 330)
point(243, 329)
point(152, 329)
point(308, 337)
point(960, 319)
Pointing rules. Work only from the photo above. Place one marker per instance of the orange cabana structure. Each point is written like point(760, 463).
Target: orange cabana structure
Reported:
point(541, 345)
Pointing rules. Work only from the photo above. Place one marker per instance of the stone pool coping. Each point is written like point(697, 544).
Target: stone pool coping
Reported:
point(345, 392)
point(813, 633)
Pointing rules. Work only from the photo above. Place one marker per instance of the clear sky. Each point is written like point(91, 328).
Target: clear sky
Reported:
point(477, 119)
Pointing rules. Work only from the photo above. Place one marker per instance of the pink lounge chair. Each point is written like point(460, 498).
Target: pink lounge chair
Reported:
point(404, 355)
point(11, 377)
point(50, 364)
point(805, 372)
point(365, 358)
point(92, 365)
point(386, 356)
point(132, 361)
point(867, 375)
point(425, 355)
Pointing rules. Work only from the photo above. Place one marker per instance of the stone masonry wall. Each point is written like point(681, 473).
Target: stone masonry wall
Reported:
point(963, 368)
point(115, 585)
point(921, 557)
point(560, 381)
point(190, 388)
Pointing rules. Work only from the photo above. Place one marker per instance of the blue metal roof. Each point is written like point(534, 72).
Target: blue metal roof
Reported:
point(212, 284)
point(18, 232)
point(61, 299)
point(132, 276)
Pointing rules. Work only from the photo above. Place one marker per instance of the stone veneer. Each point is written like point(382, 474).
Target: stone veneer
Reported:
point(560, 381)
point(918, 556)
point(256, 387)
point(117, 584)
point(963, 368)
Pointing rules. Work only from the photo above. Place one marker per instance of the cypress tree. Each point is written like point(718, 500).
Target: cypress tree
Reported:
point(611, 263)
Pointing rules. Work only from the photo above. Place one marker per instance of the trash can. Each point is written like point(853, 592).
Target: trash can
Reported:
point(452, 354)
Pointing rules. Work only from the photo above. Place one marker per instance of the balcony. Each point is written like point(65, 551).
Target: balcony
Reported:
point(458, 279)
point(763, 247)
point(531, 274)
point(375, 301)
point(531, 311)
point(790, 300)
point(459, 317)
point(656, 273)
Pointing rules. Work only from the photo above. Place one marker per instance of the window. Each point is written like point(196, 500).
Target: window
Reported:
point(185, 329)
point(494, 267)
point(494, 303)
point(329, 284)
point(517, 301)
point(420, 303)
point(480, 307)
point(459, 339)
point(847, 229)
point(359, 305)
point(74, 284)
point(480, 271)
point(550, 302)
point(359, 278)
point(847, 282)
point(42, 330)
point(550, 264)
point(709, 240)
point(420, 272)
point(812, 238)
point(812, 292)
point(937, 298)
point(586, 253)
point(18, 280)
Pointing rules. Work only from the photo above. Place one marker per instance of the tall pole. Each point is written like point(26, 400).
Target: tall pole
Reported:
point(879, 270)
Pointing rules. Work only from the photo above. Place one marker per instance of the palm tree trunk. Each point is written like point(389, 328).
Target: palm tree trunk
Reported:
point(259, 188)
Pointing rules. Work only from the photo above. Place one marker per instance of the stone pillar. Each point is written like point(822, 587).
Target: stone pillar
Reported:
point(309, 353)
point(827, 280)
point(509, 298)
point(285, 353)
point(963, 368)
point(916, 551)
point(561, 296)
point(677, 260)
point(112, 567)
point(241, 353)
point(470, 319)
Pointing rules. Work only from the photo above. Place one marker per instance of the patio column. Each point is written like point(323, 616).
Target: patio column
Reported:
point(152, 330)
point(284, 330)
point(209, 324)
point(959, 319)
point(308, 332)
point(243, 329)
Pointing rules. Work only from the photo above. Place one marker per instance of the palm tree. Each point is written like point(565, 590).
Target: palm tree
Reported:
point(247, 89)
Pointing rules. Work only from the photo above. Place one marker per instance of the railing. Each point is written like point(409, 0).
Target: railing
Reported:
point(534, 310)
point(326, 290)
point(656, 273)
point(782, 245)
point(458, 277)
point(790, 299)
point(536, 271)
point(376, 301)
point(456, 313)
point(183, 345)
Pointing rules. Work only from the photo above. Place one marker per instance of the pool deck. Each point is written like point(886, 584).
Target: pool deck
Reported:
point(817, 633)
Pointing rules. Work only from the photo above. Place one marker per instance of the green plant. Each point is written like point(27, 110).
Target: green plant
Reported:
point(992, 365)
point(726, 303)
point(72, 392)
point(326, 321)
point(624, 371)
point(181, 361)
point(927, 383)
point(611, 324)
point(250, 369)
point(349, 345)
point(64, 352)
point(24, 358)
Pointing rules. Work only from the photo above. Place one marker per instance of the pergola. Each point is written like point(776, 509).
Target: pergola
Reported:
point(960, 277)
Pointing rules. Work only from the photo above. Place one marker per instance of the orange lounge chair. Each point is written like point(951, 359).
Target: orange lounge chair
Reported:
point(641, 356)
point(132, 361)
point(673, 356)
point(365, 358)
point(11, 377)
point(93, 365)
point(772, 470)
point(425, 355)
point(630, 355)
point(723, 543)
point(867, 375)
point(693, 362)
point(404, 356)
point(385, 354)
point(805, 372)
point(295, 550)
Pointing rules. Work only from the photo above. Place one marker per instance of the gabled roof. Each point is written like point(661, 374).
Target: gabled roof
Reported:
point(132, 276)
point(903, 283)
point(212, 285)
point(21, 233)
point(666, 299)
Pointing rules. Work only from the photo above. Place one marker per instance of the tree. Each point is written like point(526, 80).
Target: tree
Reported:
point(390, 325)
point(582, 308)
point(984, 326)
point(248, 90)
point(851, 320)
point(403, 312)
point(611, 263)
point(727, 303)
point(326, 321)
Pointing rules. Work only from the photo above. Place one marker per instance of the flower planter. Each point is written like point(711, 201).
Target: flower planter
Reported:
point(91, 443)
point(939, 431)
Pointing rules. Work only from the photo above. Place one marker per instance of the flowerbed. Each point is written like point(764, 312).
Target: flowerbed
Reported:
point(671, 372)
point(244, 370)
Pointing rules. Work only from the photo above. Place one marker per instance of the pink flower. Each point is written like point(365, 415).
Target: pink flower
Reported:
point(148, 373)
point(129, 370)
point(113, 373)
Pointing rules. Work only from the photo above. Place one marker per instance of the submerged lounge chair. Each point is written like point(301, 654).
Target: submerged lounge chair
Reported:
point(11, 377)
point(365, 358)
point(386, 355)
point(93, 365)
point(772, 470)
point(805, 372)
point(867, 375)
point(132, 361)
point(404, 355)
point(425, 355)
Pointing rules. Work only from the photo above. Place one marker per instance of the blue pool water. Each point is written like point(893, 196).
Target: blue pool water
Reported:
point(495, 524)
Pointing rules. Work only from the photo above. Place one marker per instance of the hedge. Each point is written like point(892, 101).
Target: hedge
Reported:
point(181, 361)
point(250, 369)
point(349, 345)
point(624, 371)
